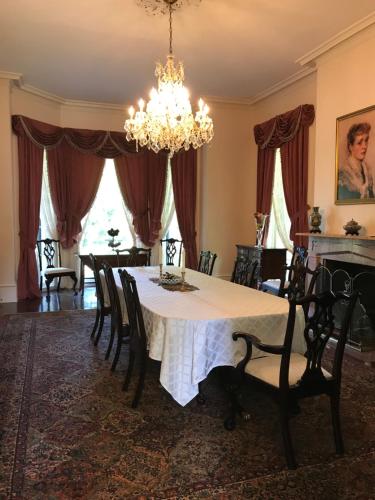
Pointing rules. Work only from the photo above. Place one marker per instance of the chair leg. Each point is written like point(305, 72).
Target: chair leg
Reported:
point(95, 324)
point(117, 353)
point(101, 322)
point(58, 284)
point(129, 371)
point(335, 411)
point(48, 282)
point(74, 278)
point(141, 381)
point(288, 447)
point(112, 338)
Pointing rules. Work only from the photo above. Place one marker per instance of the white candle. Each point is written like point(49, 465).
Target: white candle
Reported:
point(183, 260)
point(160, 254)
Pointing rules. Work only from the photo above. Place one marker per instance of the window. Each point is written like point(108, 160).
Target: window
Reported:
point(108, 211)
point(279, 223)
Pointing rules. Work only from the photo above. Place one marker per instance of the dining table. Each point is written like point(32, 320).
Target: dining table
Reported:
point(190, 330)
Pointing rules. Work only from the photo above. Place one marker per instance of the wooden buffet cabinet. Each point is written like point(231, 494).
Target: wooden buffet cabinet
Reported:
point(272, 260)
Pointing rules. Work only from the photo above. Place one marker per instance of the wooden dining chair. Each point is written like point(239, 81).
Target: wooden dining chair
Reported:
point(279, 286)
point(244, 272)
point(49, 249)
point(138, 337)
point(288, 376)
point(117, 324)
point(206, 262)
point(173, 248)
point(103, 308)
point(137, 256)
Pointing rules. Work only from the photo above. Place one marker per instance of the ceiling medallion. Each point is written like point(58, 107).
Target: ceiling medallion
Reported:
point(167, 122)
point(156, 7)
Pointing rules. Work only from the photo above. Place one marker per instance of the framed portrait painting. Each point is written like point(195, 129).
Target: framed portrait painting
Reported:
point(355, 157)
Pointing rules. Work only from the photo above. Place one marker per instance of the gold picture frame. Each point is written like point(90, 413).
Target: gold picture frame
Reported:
point(355, 157)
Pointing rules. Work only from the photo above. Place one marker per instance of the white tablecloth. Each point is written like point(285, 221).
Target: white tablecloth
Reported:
point(191, 332)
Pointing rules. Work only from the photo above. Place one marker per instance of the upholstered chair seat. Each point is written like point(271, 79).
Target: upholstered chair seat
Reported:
point(267, 369)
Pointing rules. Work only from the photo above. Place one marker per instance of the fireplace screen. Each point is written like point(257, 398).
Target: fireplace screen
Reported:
point(342, 276)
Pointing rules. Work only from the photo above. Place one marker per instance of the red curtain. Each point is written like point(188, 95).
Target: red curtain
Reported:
point(265, 174)
point(290, 133)
point(30, 158)
point(184, 179)
point(132, 176)
point(74, 180)
point(157, 174)
point(294, 158)
point(142, 180)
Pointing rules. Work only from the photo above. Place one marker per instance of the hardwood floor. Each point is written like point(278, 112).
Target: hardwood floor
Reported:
point(65, 300)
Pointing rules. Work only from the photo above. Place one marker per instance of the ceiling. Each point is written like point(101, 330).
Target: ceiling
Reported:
point(105, 50)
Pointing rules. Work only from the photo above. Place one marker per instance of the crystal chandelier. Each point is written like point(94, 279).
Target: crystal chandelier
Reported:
point(168, 122)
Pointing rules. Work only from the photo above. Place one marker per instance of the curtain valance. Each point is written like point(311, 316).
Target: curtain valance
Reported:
point(107, 144)
point(283, 128)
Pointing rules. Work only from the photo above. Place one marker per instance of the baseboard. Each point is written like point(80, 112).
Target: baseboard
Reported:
point(8, 293)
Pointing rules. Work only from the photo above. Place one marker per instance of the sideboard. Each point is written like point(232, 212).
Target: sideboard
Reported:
point(271, 260)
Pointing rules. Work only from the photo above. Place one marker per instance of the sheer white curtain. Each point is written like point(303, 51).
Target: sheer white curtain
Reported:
point(279, 224)
point(69, 257)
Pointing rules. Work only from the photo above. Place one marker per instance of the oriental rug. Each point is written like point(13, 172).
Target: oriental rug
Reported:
point(68, 431)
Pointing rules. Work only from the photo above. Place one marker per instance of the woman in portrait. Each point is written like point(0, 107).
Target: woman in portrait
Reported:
point(355, 179)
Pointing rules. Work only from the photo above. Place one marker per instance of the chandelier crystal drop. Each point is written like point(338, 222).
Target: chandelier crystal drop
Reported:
point(167, 121)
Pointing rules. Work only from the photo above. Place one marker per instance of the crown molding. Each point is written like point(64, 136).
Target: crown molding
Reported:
point(228, 100)
point(283, 84)
point(340, 37)
point(93, 104)
point(68, 102)
point(16, 77)
point(41, 93)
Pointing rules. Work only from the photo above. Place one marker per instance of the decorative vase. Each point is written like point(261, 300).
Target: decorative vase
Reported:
point(260, 223)
point(315, 220)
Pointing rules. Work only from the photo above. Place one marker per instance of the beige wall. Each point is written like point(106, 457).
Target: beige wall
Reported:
point(7, 216)
point(345, 84)
point(227, 186)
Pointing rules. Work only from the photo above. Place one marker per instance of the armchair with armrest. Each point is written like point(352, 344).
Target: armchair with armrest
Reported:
point(288, 376)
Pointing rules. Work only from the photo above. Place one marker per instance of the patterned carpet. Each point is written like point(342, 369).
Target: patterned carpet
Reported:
point(68, 431)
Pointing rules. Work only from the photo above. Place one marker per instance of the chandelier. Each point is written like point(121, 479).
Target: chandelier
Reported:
point(167, 121)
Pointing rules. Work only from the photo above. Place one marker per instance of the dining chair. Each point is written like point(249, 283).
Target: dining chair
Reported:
point(117, 324)
point(49, 249)
point(278, 286)
point(138, 337)
point(288, 376)
point(103, 308)
point(206, 262)
point(244, 272)
point(137, 256)
point(173, 247)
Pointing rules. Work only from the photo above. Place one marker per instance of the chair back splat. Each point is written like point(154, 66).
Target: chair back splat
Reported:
point(173, 248)
point(103, 309)
point(116, 312)
point(206, 262)
point(138, 337)
point(244, 272)
point(50, 250)
point(289, 376)
point(137, 256)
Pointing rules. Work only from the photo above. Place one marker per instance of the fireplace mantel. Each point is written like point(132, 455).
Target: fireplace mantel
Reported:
point(352, 249)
